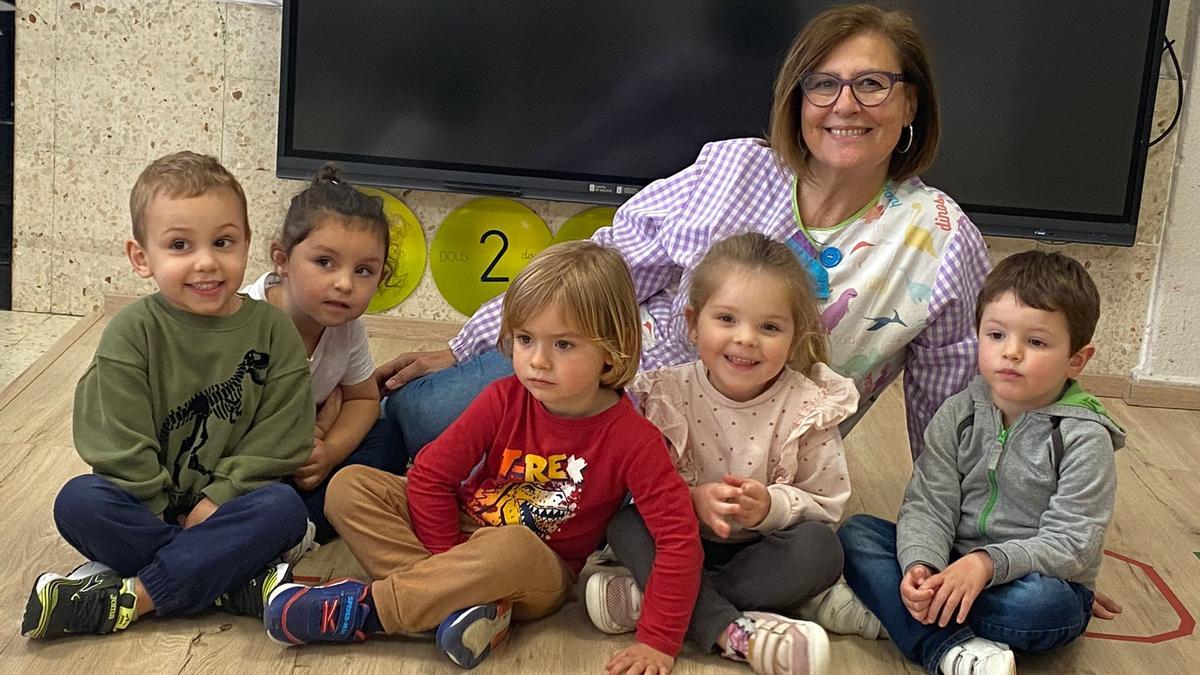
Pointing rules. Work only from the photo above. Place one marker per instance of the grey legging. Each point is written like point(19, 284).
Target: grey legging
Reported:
point(775, 573)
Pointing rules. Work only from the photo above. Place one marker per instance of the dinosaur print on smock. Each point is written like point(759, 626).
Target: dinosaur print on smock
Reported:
point(880, 291)
point(539, 492)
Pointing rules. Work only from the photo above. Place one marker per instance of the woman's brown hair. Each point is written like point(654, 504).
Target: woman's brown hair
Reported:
point(820, 37)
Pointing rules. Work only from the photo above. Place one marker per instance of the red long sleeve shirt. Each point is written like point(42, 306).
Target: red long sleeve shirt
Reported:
point(507, 461)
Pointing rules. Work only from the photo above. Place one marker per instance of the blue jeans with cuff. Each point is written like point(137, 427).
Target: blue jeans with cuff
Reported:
point(1033, 613)
point(183, 570)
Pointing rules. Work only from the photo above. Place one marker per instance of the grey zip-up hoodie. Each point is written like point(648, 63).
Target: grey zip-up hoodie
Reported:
point(999, 490)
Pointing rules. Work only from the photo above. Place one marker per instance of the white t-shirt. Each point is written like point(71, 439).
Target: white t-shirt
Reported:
point(343, 355)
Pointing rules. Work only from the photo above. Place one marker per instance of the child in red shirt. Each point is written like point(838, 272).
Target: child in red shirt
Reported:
point(498, 515)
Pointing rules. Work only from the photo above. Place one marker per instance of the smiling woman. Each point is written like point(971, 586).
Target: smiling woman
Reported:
point(896, 263)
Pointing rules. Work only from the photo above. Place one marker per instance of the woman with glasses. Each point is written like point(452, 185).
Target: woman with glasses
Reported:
point(896, 263)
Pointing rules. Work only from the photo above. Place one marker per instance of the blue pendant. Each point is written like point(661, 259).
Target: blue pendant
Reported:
point(830, 257)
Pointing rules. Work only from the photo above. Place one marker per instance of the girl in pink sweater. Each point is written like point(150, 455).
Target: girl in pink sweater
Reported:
point(753, 427)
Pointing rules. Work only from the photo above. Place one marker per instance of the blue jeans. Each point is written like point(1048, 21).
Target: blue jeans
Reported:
point(183, 570)
point(1033, 613)
point(424, 407)
point(381, 449)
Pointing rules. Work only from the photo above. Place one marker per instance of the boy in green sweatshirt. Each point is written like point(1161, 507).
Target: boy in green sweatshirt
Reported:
point(196, 402)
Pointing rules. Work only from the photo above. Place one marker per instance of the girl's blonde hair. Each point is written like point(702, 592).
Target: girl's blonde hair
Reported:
point(757, 254)
point(592, 285)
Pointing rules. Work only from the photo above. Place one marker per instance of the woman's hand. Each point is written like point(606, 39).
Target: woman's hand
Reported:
point(639, 659)
point(715, 503)
point(411, 365)
point(317, 467)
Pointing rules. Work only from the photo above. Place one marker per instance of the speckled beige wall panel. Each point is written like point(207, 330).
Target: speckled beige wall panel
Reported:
point(137, 79)
point(91, 224)
point(34, 65)
point(33, 221)
point(1160, 162)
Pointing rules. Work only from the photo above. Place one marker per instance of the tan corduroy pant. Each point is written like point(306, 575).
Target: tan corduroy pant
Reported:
point(415, 590)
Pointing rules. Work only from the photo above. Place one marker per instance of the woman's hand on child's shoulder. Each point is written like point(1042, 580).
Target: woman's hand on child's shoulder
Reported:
point(411, 365)
point(639, 659)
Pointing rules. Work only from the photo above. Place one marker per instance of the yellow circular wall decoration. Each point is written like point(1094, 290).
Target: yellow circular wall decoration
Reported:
point(406, 254)
point(584, 224)
point(481, 246)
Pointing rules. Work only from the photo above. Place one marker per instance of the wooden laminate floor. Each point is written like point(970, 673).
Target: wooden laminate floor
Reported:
point(1155, 537)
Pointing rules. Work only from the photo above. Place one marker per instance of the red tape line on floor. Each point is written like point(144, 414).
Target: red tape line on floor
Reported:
point(1187, 624)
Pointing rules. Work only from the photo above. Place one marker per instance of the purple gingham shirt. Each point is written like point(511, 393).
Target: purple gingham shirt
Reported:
point(738, 186)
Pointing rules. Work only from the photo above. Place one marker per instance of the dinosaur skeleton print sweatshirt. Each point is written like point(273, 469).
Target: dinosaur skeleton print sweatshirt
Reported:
point(176, 406)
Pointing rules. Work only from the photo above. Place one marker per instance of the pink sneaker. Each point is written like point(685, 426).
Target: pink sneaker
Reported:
point(614, 601)
point(783, 646)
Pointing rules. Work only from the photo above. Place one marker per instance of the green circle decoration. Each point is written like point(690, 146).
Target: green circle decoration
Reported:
point(406, 253)
point(480, 247)
point(584, 224)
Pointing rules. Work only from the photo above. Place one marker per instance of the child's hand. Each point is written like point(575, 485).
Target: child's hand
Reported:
point(959, 585)
point(1104, 607)
point(914, 593)
point(639, 659)
point(328, 413)
point(714, 504)
point(199, 513)
point(317, 468)
point(754, 502)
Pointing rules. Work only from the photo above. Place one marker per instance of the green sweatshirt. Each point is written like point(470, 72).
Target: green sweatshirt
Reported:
point(176, 406)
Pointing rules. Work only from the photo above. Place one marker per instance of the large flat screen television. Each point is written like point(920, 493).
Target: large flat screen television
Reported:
point(1046, 105)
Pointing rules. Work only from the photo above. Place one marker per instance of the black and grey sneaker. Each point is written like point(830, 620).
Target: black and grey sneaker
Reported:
point(250, 598)
point(91, 599)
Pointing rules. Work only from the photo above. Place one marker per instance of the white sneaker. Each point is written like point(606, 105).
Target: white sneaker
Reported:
point(295, 553)
point(783, 646)
point(979, 657)
point(614, 601)
point(838, 610)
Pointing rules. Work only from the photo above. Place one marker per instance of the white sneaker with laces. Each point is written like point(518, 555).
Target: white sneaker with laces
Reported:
point(614, 601)
point(838, 610)
point(783, 646)
point(978, 656)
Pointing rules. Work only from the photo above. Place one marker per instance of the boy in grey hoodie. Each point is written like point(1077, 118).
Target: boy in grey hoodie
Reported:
point(1000, 535)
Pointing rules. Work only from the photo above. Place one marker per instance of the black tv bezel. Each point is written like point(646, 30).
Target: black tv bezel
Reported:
point(1035, 224)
